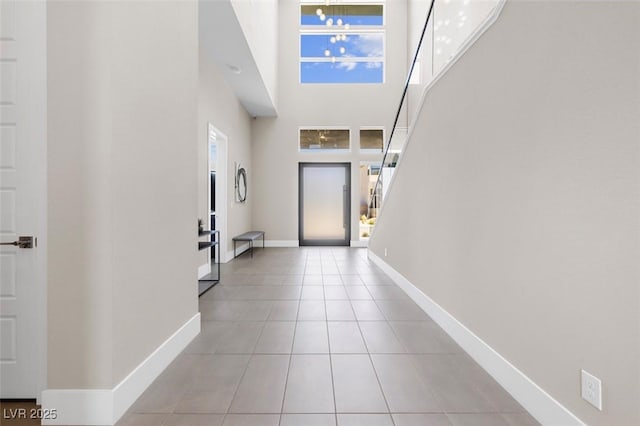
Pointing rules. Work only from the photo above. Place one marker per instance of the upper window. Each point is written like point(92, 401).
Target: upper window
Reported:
point(341, 43)
point(324, 139)
point(371, 140)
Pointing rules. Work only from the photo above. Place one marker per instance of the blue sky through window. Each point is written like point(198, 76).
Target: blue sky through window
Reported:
point(354, 56)
point(341, 72)
point(356, 45)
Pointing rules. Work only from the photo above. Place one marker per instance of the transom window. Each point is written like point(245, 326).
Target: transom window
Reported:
point(371, 140)
point(324, 139)
point(342, 43)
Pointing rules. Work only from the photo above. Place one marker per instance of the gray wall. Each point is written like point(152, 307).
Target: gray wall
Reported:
point(259, 22)
point(516, 204)
point(275, 141)
point(122, 184)
point(218, 105)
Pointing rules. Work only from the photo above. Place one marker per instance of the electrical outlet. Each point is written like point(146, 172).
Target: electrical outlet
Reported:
point(592, 390)
point(385, 252)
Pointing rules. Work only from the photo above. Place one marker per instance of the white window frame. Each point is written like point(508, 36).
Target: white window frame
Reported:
point(353, 30)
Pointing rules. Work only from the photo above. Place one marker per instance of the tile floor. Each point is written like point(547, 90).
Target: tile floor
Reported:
point(319, 337)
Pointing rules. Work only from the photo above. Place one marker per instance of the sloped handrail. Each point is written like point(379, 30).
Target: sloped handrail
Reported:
point(377, 189)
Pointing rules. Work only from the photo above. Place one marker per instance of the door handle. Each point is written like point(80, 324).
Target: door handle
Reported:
point(345, 207)
point(23, 242)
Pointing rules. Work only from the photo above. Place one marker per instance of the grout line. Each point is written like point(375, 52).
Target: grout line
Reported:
point(333, 385)
point(286, 380)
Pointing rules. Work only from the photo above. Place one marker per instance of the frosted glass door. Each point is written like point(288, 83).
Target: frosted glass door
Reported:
point(324, 204)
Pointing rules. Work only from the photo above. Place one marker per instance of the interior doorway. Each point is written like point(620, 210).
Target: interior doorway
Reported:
point(217, 188)
point(324, 204)
point(23, 199)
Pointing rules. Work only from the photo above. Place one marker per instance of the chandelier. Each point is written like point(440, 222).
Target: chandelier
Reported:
point(338, 40)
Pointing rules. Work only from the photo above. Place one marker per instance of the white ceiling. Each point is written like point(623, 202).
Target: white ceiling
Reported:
point(222, 37)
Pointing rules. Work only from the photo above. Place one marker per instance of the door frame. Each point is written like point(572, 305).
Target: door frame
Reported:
point(346, 205)
point(214, 135)
point(31, 18)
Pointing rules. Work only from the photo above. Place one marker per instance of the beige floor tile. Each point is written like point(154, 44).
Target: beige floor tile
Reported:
point(309, 385)
point(380, 338)
point(367, 310)
point(356, 386)
point(420, 420)
point(311, 310)
point(308, 420)
point(345, 337)
point(261, 389)
point(251, 420)
point(311, 338)
point(276, 338)
point(339, 310)
point(403, 389)
point(194, 420)
point(364, 420)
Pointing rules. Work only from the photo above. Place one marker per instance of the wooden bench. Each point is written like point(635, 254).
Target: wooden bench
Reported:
point(249, 237)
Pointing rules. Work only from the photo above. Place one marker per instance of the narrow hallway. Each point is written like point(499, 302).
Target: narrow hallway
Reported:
point(315, 337)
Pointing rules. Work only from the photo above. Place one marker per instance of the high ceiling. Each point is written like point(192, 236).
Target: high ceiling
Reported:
point(223, 40)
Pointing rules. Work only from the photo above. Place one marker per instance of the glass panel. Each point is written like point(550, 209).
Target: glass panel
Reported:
point(371, 139)
point(455, 21)
point(368, 204)
point(320, 14)
point(349, 46)
point(341, 72)
point(311, 139)
point(323, 204)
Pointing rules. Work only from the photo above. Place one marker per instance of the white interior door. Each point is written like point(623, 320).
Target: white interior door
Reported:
point(22, 196)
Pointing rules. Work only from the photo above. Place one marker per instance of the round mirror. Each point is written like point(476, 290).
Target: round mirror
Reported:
point(242, 185)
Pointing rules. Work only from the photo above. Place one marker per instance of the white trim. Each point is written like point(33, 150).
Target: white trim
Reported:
point(105, 406)
point(78, 406)
point(282, 243)
point(222, 211)
point(542, 406)
point(229, 257)
point(359, 243)
point(484, 26)
point(204, 270)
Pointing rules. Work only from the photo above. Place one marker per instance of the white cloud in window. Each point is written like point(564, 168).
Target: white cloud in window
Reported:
point(368, 45)
point(373, 65)
point(348, 66)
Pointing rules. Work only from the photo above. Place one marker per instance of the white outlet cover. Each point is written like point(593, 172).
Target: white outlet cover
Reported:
point(591, 389)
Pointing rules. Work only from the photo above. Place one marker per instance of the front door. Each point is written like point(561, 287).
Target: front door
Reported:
point(325, 204)
point(23, 159)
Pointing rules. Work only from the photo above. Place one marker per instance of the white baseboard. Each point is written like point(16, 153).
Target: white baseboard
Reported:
point(104, 407)
point(282, 243)
point(228, 256)
point(204, 270)
point(542, 406)
point(78, 406)
point(360, 243)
